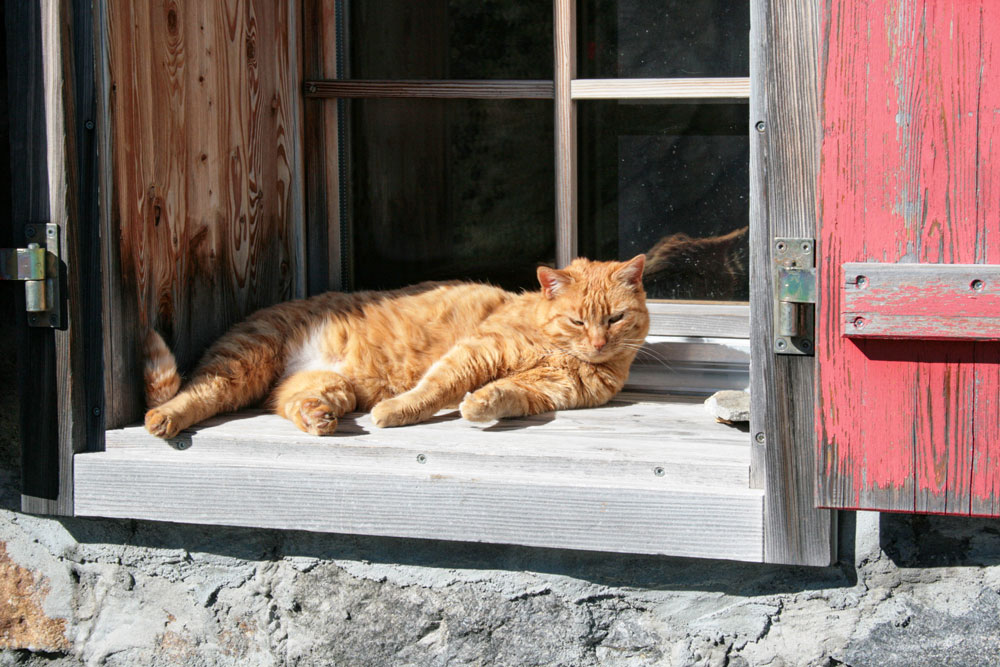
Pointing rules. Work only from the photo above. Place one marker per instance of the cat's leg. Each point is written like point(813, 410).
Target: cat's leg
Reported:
point(235, 372)
point(530, 392)
point(466, 366)
point(314, 400)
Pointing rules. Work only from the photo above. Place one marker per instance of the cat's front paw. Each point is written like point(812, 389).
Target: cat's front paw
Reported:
point(160, 424)
point(312, 415)
point(478, 407)
point(394, 412)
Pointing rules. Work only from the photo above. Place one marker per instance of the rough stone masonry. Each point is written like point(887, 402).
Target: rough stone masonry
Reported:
point(908, 591)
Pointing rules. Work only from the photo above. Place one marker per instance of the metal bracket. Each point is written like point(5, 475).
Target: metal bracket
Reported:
point(39, 267)
point(794, 295)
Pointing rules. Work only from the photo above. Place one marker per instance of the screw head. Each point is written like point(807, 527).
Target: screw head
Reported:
point(760, 126)
point(53, 321)
point(860, 322)
point(861, 281)
point(780, 245)
point(312, 88)
point(781, 343)
point(89, 125)
point(29, 232)
point(806, 247)
point(33, 319)
point(659, 471)
point(759, 437)
point(421, 458)
point(977, 285)
point(805, 344)
point(96, 411)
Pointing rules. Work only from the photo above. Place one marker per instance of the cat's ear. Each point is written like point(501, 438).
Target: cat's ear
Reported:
point(552, 281)
point(631, 272)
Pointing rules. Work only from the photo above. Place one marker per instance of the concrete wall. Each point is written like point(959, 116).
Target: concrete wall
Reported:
point(908, 591)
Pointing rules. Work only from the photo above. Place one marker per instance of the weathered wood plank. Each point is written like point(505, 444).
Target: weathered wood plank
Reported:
point(203, 151)
point(783, 167)
point(564, 22)
point(429, 88)
point(921, 301)
point(732, 88)
point(699, 319)
point(634, 476)
point(985, 484)
point(902, 181)
point(61, 390)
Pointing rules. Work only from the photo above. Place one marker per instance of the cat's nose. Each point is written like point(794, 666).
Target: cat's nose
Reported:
point(598, 343)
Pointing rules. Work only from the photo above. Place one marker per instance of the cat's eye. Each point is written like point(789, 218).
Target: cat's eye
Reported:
point(578, 323)
point(616, 318)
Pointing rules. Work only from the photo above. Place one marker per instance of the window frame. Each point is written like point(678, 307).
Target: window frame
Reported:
point(783, 44)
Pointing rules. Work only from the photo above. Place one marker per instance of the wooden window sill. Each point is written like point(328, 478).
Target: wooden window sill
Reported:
point(643, 474)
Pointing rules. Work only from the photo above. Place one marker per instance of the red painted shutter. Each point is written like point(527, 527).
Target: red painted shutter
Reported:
point(908, 414)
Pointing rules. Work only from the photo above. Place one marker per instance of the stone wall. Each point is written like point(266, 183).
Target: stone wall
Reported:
point(908, 591)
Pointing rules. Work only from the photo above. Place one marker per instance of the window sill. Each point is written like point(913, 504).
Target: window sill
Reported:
point(641, 475)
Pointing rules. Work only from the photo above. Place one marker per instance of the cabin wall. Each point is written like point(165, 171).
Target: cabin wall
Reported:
point(203, 176)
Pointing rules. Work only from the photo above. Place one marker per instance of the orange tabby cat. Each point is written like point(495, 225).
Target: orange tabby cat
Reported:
point(408, 353)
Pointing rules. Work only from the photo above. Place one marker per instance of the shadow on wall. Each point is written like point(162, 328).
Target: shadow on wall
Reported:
point(637, 572)
point(924, 540)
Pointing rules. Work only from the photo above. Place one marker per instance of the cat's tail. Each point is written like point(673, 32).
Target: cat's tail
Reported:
point(161, 380)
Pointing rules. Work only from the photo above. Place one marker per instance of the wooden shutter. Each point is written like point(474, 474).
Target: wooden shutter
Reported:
point(908, 415)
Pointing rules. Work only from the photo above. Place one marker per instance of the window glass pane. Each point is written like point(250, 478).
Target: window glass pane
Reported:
point(446, 189)
point(676, 38)
point(450, 39)
point(670, 180)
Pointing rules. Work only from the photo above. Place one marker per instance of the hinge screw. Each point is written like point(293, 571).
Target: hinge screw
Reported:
point(89, 125)
point(780, 246)
point(97, 411)
point(760, 126)
point(780, 344)
point(861, 281)
point(29, 232)
point(33, 319)
point(311, 88)
point(421, 458)
point(759, 437)
point(659, 471)
point(977, 285)
point(806, 247)
point(805, 344)
point(859, 322)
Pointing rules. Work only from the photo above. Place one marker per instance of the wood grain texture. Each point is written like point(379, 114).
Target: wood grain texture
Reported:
point(921, 301)
point(783, 168)
point(733, 88)
point(583, 479)
point(204, 151)
point(701, 320)
point(29, 203)
point(904, 179)
point(430, 89)
point(564, 22)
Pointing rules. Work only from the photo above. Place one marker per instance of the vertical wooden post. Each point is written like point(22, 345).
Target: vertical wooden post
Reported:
point(58, 380)
point(784, 162)
point(565, 129)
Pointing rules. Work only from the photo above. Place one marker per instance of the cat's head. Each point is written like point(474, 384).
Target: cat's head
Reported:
point(595, 310)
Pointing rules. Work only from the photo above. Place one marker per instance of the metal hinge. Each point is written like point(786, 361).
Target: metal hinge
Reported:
point(794, 296)
point(38, 266)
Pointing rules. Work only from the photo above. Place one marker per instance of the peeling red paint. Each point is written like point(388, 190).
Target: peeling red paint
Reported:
point(911, 113)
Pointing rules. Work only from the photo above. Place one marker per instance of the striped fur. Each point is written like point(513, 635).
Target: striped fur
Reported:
point(405, 354)
point(160, 376)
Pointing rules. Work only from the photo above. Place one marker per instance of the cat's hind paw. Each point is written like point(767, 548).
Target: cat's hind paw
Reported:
point(312, 415)
point(160, 424)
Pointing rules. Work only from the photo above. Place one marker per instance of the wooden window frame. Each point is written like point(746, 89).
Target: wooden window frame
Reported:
point(784, 37)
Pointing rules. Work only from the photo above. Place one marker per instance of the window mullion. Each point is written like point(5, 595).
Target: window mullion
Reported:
point(564, 72)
